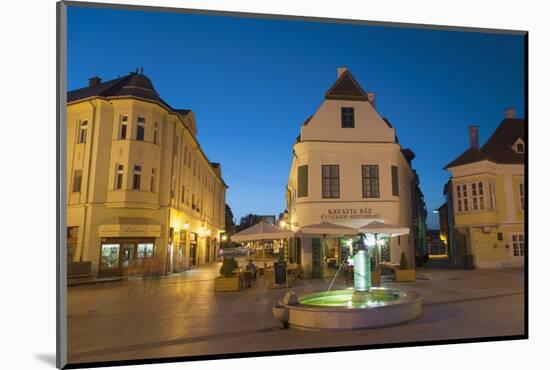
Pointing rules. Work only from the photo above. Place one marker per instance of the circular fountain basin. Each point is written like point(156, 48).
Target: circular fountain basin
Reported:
point(348, 310)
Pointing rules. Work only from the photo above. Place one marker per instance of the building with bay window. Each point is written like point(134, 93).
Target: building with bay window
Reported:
point(485, 208)
point(142, 196)
point(348, 168)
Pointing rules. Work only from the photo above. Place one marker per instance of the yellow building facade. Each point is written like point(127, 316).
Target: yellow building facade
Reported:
point(142, 197)
point(486, 197)
point(348, 169)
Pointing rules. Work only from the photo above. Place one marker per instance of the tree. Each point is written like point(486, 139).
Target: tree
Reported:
point(248, 221)
point(229, 223)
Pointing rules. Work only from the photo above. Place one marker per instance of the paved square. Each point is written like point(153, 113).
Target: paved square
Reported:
point(180, 315)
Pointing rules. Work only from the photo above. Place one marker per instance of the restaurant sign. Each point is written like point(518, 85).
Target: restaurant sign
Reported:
point(125, 230)
point(349, 214)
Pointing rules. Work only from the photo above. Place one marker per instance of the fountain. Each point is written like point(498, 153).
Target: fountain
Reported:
point(360, 307)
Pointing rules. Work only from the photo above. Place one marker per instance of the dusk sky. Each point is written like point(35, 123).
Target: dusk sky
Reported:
point(252, 82)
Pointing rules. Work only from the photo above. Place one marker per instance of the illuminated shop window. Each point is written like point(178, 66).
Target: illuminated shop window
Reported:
point(145, 250)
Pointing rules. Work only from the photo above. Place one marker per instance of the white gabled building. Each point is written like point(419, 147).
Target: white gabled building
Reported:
point(349, 169)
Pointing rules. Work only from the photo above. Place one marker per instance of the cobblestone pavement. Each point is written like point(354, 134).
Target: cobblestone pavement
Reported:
point(180, 315)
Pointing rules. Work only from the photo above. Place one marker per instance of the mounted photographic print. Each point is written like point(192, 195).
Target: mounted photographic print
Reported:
point(236, 185)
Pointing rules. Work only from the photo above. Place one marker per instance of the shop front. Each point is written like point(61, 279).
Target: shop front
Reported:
point(128, 247)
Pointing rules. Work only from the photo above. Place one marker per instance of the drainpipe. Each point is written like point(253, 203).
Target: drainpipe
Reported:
point(88, 181)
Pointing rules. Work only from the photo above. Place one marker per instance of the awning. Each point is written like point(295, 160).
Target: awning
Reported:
point(326, 229)
point(130, 227)
point(377, 227)
point(260, 232)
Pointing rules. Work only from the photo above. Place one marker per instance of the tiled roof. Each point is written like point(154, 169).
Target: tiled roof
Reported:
point(346, 88)
point(498, 148)
point(133, 85)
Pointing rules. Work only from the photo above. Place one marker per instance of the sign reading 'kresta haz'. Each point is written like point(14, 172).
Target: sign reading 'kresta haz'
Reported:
point(349, 213)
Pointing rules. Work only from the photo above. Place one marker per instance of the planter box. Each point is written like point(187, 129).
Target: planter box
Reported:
point(405, 275)
point(223, 284)
point(375, 278)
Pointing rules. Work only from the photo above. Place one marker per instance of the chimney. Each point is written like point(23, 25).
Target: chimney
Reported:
point(510, 112)
point(474, 137)
point(341, 70)
point(94, 81)
point(372, 99)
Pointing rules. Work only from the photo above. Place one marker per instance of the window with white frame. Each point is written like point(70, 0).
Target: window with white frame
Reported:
point(152, 180)
point(521, 196)
point(119, 176)
point(475, 196)
point(82, 131)
point(123, 129)
point(519, 146)
point(140, 133)
point(518, 245)
point(155, 132)
point(136, 185)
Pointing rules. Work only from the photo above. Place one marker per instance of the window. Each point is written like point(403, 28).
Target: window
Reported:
point(518, 245)
point(478, 200)
point(152, 180)
point(183, 193)
point(119, 176)
point(475, 197)
point(520, 148)
point(348, 117)
point(140, 133)
point(77, 181)
point(123, 129)
point(193, 201)
point(109, 256)
point(82, 130)
point(331, 181)
point(521, 196)
point(155, 133)
point(172, 187)
point(394, 181)
point(136, 185)
point(369, 174)
point(500, 237)
point(145, 250)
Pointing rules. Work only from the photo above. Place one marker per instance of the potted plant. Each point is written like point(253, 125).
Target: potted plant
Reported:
point(374, 272)
point(404, 273)
point(228, 281)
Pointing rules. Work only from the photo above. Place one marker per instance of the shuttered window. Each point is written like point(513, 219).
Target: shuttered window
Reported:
point(394, 180)
point(302, 181)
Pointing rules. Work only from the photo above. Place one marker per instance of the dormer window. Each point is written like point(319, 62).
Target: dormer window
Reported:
point(519, 146)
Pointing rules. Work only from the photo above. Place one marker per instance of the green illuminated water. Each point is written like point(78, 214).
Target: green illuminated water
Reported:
point(343, 298)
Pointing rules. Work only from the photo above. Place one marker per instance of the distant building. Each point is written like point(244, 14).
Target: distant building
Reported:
point(349, 169)
point(142, 197)
point(485, 195)
point(270, 219)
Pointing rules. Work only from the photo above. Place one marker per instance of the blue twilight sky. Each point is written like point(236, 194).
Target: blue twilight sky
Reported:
point(252, 82)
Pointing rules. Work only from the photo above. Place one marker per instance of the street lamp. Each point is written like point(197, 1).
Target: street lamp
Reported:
point(282, 224)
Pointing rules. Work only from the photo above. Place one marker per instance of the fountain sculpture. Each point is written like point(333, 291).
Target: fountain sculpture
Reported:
point(360, 307)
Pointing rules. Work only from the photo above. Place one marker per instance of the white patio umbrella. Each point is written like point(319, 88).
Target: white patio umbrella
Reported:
point(380, 228)
point(260, 232)
point(326, 229)
point(377, 227)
